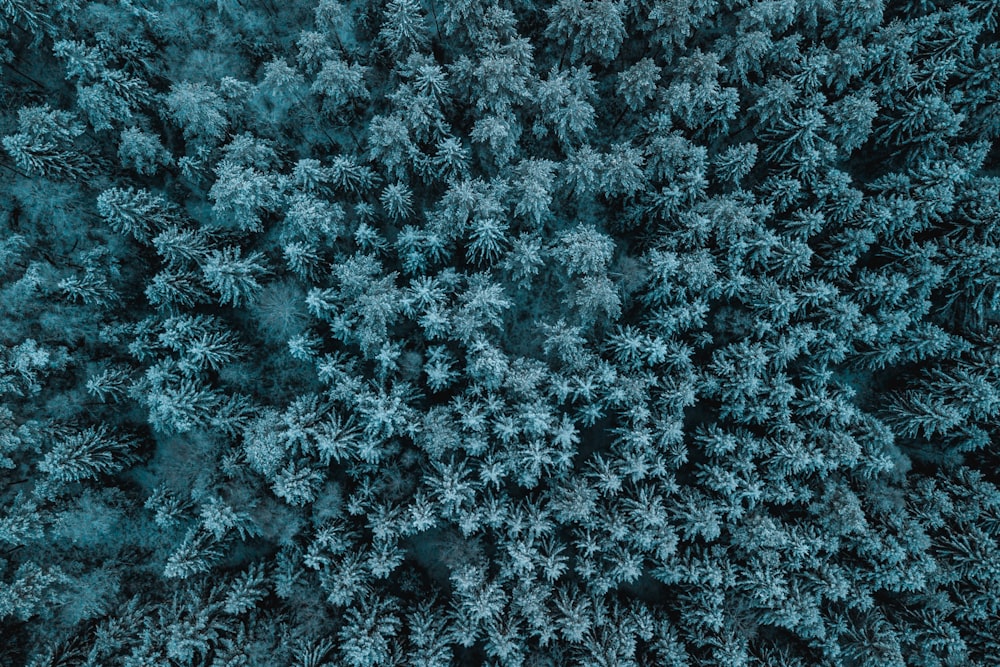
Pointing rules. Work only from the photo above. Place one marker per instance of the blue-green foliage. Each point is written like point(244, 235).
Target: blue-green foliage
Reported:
point(454, 332)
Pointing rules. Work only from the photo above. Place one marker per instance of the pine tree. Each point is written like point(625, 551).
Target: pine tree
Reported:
point(232, 276)
point(525, 259)
point(390, 145)
point(451, 159)
point(439, 368)
point(403, 30)
point(926, 120)
point(33, 590)
point(242, 194)
point(565, 102)
point(220, 519)
point(140, 213)
point(86, 455)
point(637, 84)
point(142, 151)
point(582, 169)
point(180, 247)
point(92, 288)
point(498, 79)
point(103, 106)
point(168, 509)
point(852, 117)
point(45, 144)
point(10, 442)
point(589, 28)
point(198, 110)
point(296, 484)
point(178, 404)
point(735, 163)
point(26, 15)
point(583, 250)
point(575, 615)
point(346, 581)
point(397, 199)
point(623, 173)
point(501, 132)
point(342, 85)
point(171, 289)
point(597, 299)
point(671, 23)
point(195, 555)
point(313, 220)
point(367, 632)
point(351, 177)
point(282, 86)
point(488, 240)
point(481, 305)
point(912, 414)
point(427, 633)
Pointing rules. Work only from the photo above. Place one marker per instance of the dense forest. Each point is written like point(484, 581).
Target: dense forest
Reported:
point(441, 333)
